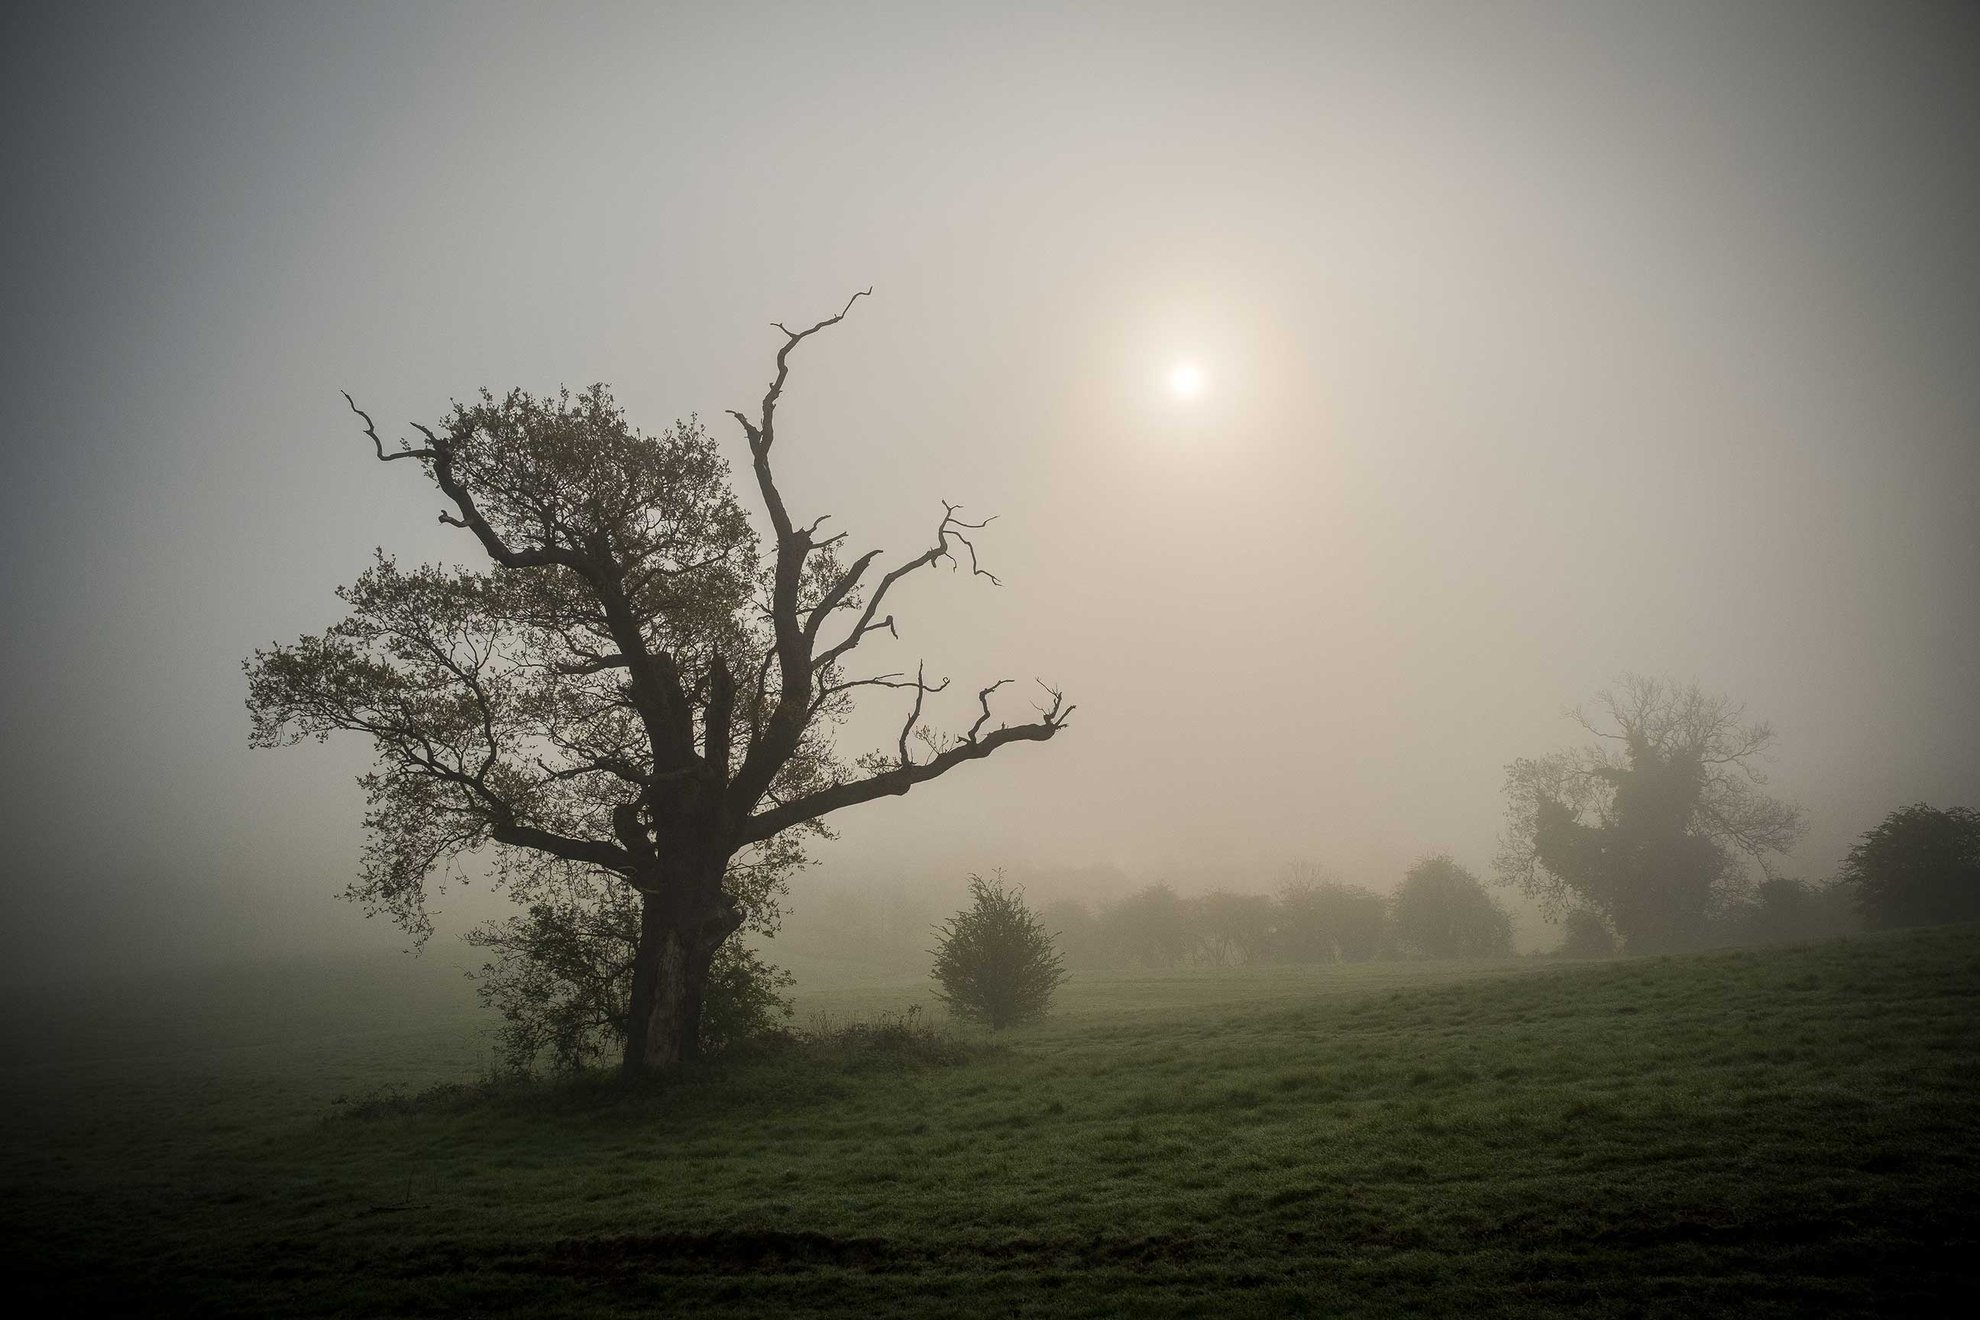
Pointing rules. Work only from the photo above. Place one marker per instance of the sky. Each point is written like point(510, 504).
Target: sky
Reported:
point(1538, 343)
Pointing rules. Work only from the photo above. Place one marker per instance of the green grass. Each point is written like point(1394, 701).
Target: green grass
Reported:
point(1786, 1132)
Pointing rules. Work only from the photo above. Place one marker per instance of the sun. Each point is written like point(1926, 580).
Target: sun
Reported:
point(1187, 381)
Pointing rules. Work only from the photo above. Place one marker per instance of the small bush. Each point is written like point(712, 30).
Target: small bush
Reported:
point(995, 960)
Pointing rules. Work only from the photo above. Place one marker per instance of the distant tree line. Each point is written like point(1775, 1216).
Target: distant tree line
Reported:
point(1439, 911)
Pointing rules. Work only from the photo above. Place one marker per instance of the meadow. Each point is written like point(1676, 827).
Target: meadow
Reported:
point(1746, 1132)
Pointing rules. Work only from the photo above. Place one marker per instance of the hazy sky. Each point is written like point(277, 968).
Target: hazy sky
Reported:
point(1541, 342)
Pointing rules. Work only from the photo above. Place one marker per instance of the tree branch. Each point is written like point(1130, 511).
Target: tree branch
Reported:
point(372, 431)
point(591, 852)
point(892, 783)
point(921, 690)
point(983, 698)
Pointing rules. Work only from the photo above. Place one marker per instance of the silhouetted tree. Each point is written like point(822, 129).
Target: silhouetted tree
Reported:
point(995, 961)
point(1654, 824)
point(1919, 867)
point(1325, 920)
point(1442, 911)
point(636, 685)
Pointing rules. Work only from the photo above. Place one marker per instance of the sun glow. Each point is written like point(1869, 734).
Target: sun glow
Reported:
point(1187, 381)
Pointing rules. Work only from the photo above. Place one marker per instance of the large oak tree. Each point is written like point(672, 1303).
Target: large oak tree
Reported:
point(637, 685)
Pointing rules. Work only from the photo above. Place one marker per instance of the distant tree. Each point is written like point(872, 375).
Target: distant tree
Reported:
point(637, 685)
point(994, 960)
point(1079, 934)
point(1151, 927)
point(1585, 935)
point(1655, 824)
point(1324, 920)
point(1233, 928)
point(1920, 867)
point(1442, 911)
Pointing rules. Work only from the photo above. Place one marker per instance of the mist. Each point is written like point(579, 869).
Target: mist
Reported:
point(1538, 344)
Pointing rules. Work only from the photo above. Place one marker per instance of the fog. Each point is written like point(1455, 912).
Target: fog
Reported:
point(1539, 343)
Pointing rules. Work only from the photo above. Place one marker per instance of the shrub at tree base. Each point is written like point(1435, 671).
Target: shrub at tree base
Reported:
point(560, 973)
point(995, 960)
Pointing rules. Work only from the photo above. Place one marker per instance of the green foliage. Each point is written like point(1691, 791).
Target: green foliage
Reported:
point(1656, 825)
point(1919, 867)
point(745, 999)
point(994, 960)
point(1442, 911)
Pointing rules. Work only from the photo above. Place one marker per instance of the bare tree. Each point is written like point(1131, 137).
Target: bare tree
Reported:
point(637, 685)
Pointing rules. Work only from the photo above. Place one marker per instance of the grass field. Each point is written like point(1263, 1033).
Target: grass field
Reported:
point(1782, 1132)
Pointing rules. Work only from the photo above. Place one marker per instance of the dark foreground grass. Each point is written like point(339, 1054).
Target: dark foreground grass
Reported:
point(1787, 1132)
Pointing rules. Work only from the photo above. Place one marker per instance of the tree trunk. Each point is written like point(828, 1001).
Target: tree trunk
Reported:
point(670, 977)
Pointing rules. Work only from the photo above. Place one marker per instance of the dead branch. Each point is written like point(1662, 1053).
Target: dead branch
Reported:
point(372, 430)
